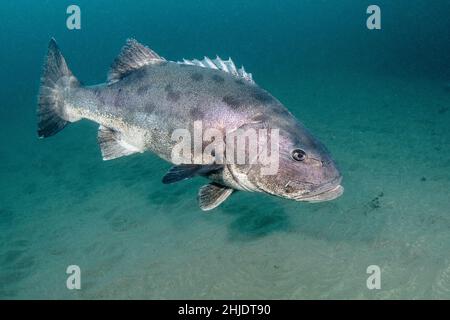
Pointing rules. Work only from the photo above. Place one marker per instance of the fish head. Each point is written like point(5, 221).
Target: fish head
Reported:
point(305, 169)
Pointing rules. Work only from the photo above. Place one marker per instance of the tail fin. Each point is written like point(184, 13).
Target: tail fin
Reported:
point(55, 79)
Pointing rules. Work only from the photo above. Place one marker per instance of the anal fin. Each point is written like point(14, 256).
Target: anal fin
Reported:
point(112, 144)
point(212, 195)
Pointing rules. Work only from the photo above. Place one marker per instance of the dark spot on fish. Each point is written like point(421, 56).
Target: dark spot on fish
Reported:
point(292, 132)
point(149, 107)
point(172, 95)
point(196, 113)
point(239, 81)
point(119, 99)
point(289, 189)
point(233, 102)
point(142, 90)
point(196, 76)
point(423, 179)
point(218, 79)
point(139, 74)
point(261, 96)
point(98, 94)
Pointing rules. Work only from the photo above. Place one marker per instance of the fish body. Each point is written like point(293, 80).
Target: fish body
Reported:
point(147, 98)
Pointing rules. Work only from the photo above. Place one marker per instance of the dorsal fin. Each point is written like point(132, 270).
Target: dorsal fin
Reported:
point(132, 57)
point(219, 64)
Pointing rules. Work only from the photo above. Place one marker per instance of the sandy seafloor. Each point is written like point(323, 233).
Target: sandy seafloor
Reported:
point(379, 101)
point(134, 237)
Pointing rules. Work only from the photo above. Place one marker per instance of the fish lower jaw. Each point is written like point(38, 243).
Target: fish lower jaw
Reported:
point(328, 195)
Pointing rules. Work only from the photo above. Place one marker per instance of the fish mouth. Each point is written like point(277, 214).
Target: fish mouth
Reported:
point(326, 192)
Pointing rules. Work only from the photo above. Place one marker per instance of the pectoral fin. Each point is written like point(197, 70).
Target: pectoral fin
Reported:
point(186, 171)
point(112, 144)
point(212, 195)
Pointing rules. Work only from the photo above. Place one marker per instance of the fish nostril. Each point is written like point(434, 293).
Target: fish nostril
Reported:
point(326, 162)
point(317, 162)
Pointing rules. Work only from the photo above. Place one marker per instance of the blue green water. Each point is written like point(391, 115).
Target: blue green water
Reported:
point(379, 100)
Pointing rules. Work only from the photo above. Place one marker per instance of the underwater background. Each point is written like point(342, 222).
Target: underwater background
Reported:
point(378, 99)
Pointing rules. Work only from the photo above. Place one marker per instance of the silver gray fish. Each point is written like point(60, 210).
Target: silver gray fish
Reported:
point(147, 97)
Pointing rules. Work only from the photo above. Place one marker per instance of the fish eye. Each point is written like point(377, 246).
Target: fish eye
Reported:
point(298, 155)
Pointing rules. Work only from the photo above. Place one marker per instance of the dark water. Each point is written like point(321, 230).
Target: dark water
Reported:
point(379, 100)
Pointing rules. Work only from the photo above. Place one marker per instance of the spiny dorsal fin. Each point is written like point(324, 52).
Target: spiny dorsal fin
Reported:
point(132, 57)
point(219, 64)
point(212, 195)
point(112, 145)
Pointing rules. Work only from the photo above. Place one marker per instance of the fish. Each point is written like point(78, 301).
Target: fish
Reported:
point(147, 98)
